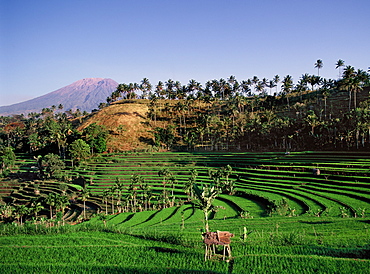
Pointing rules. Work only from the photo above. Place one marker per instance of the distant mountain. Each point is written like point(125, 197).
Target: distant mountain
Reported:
point(85, 94)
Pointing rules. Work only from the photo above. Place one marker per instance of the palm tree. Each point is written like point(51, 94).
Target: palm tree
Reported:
point(165, 173)
point(36, 207)
point(312, 120)
point(170, 89)
point(287, 87)
point(135, 180)
point(144, 187)
point(145, 87)
point(84, 196)
point(319, 64)
point(205, 198)
point(314, 80)
point(348, 83)
point(245, 87)
point(51, 201)
point(271, 84)
point(112, 192)
point(193, 86)
point(159, 89)
point(338, 65)
point(276, 80)
point(105, 200)
point(119, 187)
point(62, 202)
point(260, 88)
point(21, 210)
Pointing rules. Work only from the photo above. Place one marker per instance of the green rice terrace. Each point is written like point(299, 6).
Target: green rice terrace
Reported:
point(298, 212)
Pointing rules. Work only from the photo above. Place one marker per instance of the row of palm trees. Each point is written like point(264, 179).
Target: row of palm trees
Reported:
point(224, 88)
point(138, 195)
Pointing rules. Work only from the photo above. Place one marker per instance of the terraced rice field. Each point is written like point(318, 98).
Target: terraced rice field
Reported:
point(315, 232)
point(260, 179)
point(343, 181)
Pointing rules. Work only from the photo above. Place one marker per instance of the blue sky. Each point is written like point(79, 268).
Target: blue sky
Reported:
point(45, 45)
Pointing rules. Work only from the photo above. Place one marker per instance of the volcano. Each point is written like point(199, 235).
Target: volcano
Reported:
point(85, 95)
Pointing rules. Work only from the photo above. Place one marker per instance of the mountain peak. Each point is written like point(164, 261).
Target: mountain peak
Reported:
point(85, 94)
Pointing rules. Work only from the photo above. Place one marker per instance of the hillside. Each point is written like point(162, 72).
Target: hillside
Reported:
point(131, 129)
point(126, 124)
point(85, 95)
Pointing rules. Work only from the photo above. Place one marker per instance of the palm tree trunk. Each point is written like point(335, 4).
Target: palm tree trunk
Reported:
point(349, 102)
point(84, 209)
point(206, 220)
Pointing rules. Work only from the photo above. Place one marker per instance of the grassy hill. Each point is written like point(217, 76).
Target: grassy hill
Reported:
point(126, 122)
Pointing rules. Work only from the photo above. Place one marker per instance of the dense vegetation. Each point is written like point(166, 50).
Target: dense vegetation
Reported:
point(68, 199)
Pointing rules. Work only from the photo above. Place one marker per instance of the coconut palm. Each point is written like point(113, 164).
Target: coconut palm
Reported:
point(287, 87)
point(166, 174)
point(105, 200)
point(21, 210)
point(84, 196)
point(189, 185)
point(119, 188)
point(170, 89)
point(276, 80)
point(135, 180)
point(348, 82)
point(319, 64)
point(62, 202)
point(245, 87)
point(338, 65)
point(145, 87)
point(36, 207)
point(271, 84)
point(112, 192)
point(51, 200)
point(159, 89)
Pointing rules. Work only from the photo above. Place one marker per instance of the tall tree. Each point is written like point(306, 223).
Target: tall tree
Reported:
point(287, 87)
point(145, 87)
point(85, 194)
point(339, 64)
point(51, 200)
point(79, 150)
point(319, 64)
point(276, 80)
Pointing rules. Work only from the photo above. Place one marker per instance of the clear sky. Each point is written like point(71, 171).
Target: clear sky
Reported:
point(45, 45)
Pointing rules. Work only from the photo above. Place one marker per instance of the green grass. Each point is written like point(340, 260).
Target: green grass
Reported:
point(274, 245)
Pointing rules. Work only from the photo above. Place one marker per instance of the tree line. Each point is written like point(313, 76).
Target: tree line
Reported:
point(257, 114)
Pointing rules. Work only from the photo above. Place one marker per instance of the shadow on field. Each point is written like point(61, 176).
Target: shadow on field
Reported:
point(365, 221)
point(316, 222)
point(104, 269)
point(356, 253)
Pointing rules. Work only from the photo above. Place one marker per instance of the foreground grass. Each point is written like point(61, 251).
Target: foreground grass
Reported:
point(272, 245)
